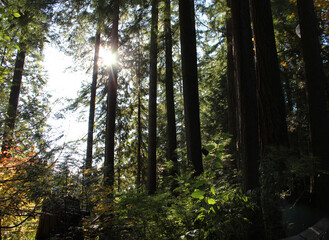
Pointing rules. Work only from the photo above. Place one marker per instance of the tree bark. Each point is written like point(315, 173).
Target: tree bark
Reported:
point(315, 81)
point(272, 114)
point(89, 156)
point(139, 140)
point(13, 101)
point(171, 122)
point(111, 102)
point(190, 83)
point(246, 91)
point(231, 88)
point(272, 117)
point(152, 143)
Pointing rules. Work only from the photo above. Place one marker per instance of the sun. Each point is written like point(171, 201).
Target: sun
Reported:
point(107, 57)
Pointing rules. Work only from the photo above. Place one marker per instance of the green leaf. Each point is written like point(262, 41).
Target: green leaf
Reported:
point(200, 216)
point(199, 183)
point(198, 194)
point(219, 155)
point(212, 189)
point(211, 201)
point(218, 164)
point(16, 14)
point(210, 147)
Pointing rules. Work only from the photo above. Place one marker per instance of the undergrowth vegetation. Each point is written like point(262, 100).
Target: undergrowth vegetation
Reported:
point(209, 206)
point(200, 208)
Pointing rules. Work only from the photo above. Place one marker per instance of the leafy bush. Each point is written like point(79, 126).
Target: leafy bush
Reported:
point(200, 208)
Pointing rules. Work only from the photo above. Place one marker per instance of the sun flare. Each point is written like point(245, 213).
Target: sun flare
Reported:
point(107, 57)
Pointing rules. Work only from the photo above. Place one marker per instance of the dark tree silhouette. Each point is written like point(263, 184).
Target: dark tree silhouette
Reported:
point(190, 83)
point(171, 122)
point(272, 116)
point(89, 155)
point(151, 174)
point(231, 88)
point(315, 81)
point(246, 93)
point(13, 100)
point(111, 102)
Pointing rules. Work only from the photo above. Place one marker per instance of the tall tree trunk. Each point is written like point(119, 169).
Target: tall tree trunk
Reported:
point(231, 88)
point(111, 102)
point(139, 143)
point(152, 144)
point(272, 115)
point(315, 80)
point(190, 83)
point(89, 156)
point(171, 122)
point(246, 91)
point(273, 126)
point(13, 101)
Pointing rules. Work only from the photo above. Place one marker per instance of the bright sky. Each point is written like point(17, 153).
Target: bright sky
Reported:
point(63, 83)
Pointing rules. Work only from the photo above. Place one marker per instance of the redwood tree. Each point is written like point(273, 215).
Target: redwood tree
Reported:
point(91, 121)
point(139, 136)
point(315, 81)
point(272, 116)
point(111, 102)
point(171, 122)
point(231, 88)
point(246, 92)
point(151, 173)
point(13, 100)
point(190, 83)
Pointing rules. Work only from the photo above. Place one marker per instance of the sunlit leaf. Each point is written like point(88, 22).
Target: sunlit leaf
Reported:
point(211, 201)
point(212, 189)
point(198, 194)
point(210, 147)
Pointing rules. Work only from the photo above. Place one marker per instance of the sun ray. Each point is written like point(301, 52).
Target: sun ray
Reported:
point(107, 57)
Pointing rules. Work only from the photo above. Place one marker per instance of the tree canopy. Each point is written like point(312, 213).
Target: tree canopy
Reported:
point(203, 119)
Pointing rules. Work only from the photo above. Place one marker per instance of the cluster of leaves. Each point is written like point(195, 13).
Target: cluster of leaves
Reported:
point(23, 166)
point(198, 209)
point(22, 187)
point(210, 206)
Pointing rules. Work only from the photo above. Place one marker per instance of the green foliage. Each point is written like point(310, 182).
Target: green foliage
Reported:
point(211, 206)
point(23, 184)
point(207, 207)
point(217, 154)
